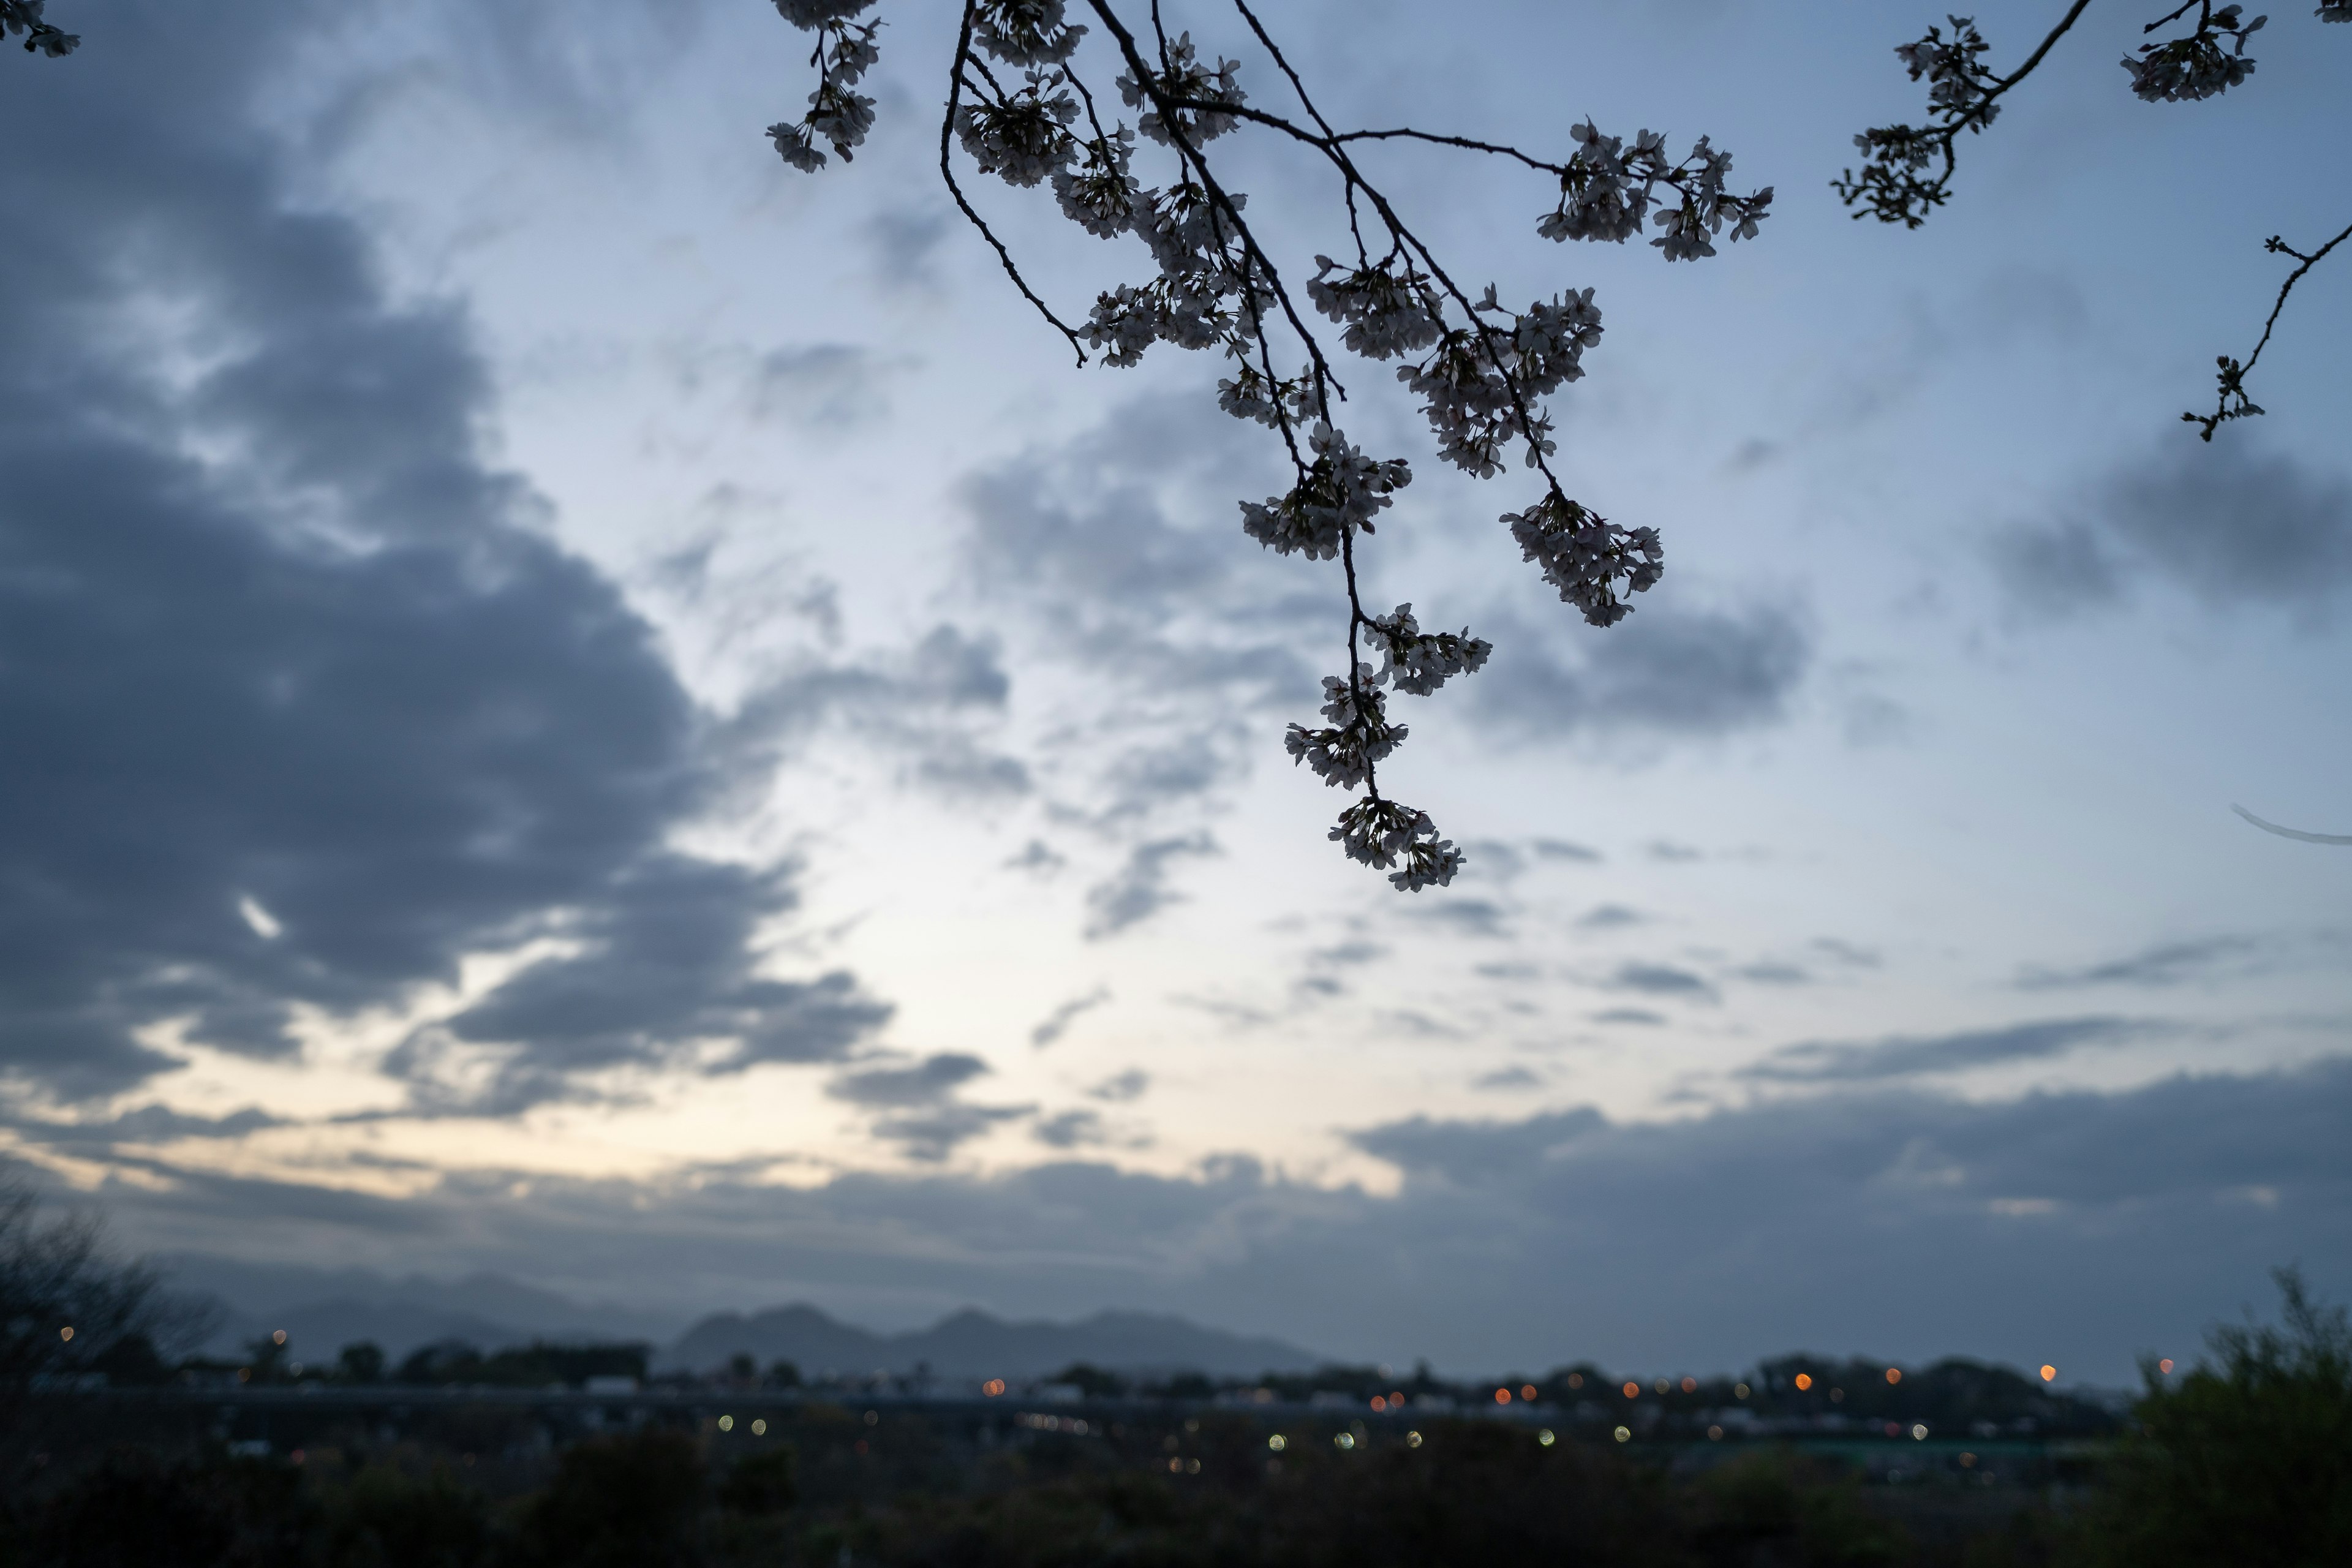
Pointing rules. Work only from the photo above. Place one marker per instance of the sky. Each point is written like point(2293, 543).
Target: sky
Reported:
point(582, 703)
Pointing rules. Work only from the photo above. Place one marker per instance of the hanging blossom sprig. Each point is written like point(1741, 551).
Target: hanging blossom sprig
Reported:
point(1021, 108)
point(23, 17)
point(1895, 184)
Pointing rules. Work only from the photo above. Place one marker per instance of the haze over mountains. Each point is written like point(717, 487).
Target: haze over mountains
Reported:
point(323, 1310)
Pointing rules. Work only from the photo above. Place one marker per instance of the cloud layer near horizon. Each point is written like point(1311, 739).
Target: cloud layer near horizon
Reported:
point(2076, 1227)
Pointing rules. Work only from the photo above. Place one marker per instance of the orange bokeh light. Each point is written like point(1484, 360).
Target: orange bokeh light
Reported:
point(2163, 1365)
point(2049, 1375)
point(1528, 1393)
point(1502, 1396)
point(992, 1387)
point(1378, 1403)
point(1690, 1385)
point(1805, 1380)
point(1893, 1374)
point(1633, 1391)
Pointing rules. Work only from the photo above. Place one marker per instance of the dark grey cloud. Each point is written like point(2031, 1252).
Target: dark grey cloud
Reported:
point(1666, 852)
point(1661, 980)
point(1831, 1061)
point(824, 386)
point(1846, 952)
point(2228, 523)
point(1140, 889)
point(1465, 916)
point(926, 1082)
point(1070, 1130)
point(2075, 1227)
point(1120, 1088)
point(1609, 917)
point(145, 1124)
point(1766, 971)
point(933, 1132)
point(1038, 857)
point(1664, 672)
point(301, 704)
point(922, 1113)
point(1057, 1024)
point(903, 242)
point(1509, 1078)
point(2166, 963)
point(1628, 1015)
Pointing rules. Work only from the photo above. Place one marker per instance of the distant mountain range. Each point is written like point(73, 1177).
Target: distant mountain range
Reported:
point(323, 1309)
point(972, 1343)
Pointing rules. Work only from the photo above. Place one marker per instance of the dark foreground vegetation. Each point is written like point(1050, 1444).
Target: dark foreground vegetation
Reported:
point(2246, 1459)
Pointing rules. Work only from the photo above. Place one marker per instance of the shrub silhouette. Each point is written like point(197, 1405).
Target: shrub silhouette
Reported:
point(2246, 1459)
point(767, 1482)
point(632, 1501)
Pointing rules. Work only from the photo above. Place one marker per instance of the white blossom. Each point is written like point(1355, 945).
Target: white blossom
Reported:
point(1606, 192)
point(25, 16)
point(810, 15)
point(1124, 323)
point(1185, 78)
point(2181, 69)
point(1022, 137)
point(1025, 31)
point(1360, 736)
point(792, 141)
point(1100, 196)
point(1376, 832)
point(840, 116)
point(1582, 554)
point(1385, 314)
point(1342, 490)
point(1418, 662)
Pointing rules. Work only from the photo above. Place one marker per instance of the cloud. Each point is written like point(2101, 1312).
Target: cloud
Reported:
point(2167, 964)
point(1465, 916)
point(1609, 917)
point(1822, 1061)
point(1057, 1023)
point(1123, 1087)
point(1628, 1015)
point(1661, 980)
point(1664, 672)
point(1140, 889)
point(824, 386)
point(1768, 973)
point(1037, 857)
point(926, 1082)
point(2228, 523)
point(1509, 1078)
point(1070, 1130)
point(305, 705)
point(1561, 850)
point(2050, 1226)
point(923, 1115)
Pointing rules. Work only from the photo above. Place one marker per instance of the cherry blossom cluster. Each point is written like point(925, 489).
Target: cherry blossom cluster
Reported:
point(2195, 67)
point(1960, 96)
point(1021, 108)
point(24, 17)
point(837, 114)
point(1606, 192)
point(1584, 555)
point(1963, 94)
